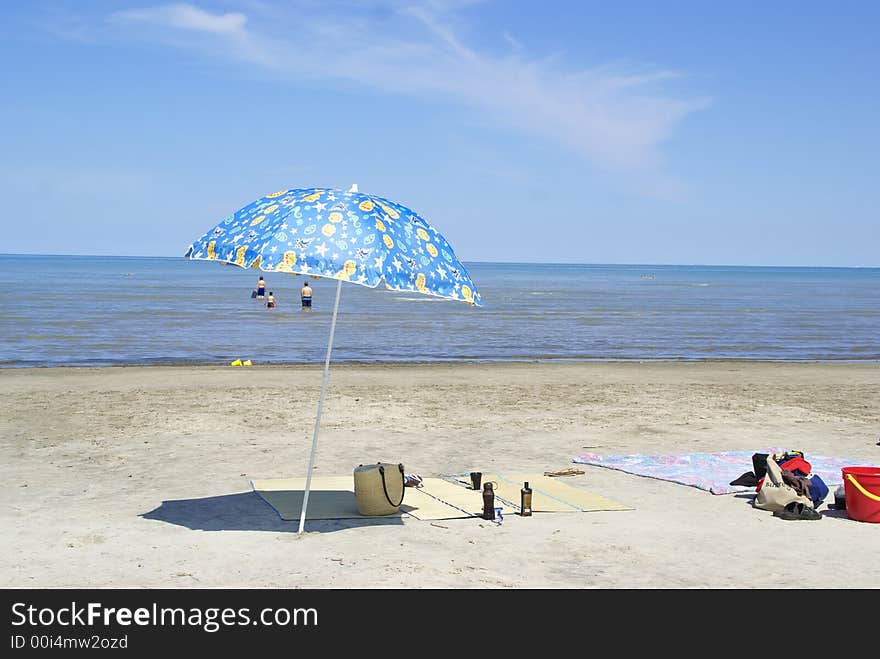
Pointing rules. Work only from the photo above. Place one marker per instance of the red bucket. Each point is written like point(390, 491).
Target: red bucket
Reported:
point(861, 485)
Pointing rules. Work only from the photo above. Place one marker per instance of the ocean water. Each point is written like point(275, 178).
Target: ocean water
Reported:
point(84, 311)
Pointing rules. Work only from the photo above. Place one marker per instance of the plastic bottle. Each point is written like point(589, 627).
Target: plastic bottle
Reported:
point(525, 500)
point(488, 501)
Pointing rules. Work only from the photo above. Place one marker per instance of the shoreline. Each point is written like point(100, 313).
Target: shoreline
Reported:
point(489, 362)
point(139, 476)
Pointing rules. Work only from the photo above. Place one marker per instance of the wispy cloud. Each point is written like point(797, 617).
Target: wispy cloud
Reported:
point(187, 17)
point(615, 116)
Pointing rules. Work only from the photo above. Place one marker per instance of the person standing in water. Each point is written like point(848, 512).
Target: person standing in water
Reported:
point(261, 288)
point(270, 301)
point(306, 296)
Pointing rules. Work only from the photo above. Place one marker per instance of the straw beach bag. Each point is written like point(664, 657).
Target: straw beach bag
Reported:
point(379, 488)
point(775, 493)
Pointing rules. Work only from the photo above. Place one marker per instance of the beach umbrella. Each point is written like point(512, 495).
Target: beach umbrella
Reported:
point(344, 235)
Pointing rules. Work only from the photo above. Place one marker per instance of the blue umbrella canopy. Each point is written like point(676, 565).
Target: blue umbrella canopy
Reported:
point(349, 236)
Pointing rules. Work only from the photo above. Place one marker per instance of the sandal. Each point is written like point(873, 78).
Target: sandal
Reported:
point(412, 480)
point(796, 510)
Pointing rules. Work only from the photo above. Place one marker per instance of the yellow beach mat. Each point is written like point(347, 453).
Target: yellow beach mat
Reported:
point(549, 495)
point(332, 497)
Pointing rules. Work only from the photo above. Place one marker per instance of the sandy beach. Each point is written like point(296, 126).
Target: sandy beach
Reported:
point(90, 454)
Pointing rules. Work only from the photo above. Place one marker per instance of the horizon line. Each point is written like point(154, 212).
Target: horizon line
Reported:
point(711, 265)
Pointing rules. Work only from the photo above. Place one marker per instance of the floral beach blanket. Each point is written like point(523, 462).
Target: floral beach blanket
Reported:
point(712, 472)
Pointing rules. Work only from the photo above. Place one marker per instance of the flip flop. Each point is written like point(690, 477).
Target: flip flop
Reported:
point(796, 510)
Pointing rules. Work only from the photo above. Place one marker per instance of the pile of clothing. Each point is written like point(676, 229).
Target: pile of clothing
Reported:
point(797, 473)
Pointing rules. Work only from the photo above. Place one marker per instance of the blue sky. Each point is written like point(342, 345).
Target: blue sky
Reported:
point(741, 133)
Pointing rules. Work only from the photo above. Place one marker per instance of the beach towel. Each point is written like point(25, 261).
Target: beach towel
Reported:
point(712, 472)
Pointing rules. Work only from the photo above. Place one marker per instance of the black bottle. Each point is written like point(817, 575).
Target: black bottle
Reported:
point(525, 500)
point(488, 501)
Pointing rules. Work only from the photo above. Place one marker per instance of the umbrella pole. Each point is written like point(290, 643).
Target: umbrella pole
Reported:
point(302, 518)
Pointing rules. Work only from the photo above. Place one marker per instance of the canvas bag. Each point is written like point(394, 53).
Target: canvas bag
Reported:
point(776, 494)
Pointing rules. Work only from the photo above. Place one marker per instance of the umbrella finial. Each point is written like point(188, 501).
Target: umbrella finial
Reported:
point(353, 188)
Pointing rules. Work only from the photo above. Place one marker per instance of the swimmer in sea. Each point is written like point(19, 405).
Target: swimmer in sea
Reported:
point(270, 301)
point(306, 297)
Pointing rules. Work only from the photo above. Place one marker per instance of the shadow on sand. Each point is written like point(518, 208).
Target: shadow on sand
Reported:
point(825, 510)
point(246, 511)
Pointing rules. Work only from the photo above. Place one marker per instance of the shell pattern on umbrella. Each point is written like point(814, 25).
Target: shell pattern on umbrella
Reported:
point(356, 237)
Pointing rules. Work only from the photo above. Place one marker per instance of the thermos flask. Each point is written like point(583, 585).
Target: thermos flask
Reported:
point(488, 501)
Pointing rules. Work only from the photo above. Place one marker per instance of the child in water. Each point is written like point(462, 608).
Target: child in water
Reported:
point(270, 301)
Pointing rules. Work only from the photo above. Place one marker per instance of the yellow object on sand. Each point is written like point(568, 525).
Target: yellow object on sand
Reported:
point(248, 362)
point(237, 362)
point(569, 471)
